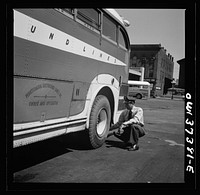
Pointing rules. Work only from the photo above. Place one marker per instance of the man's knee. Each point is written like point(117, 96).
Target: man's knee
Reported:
point(134, 126)
point(138, 129)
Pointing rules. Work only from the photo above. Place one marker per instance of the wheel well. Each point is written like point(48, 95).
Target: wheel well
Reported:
point(106, 91)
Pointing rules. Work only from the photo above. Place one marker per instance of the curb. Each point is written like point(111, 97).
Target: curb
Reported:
point(169, 98)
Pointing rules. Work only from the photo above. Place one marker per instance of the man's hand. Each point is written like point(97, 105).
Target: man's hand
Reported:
point(125, 124)
point(121, 129)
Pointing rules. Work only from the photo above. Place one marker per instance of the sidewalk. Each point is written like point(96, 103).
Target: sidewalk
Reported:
point(169, 97)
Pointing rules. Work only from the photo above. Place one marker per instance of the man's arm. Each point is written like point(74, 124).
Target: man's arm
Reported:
point(119, 123)
point(137, 119)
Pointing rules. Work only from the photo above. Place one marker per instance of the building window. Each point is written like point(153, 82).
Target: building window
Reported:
point(161, 76)
point(150, 73)
point(89, 16)
point(109, 28)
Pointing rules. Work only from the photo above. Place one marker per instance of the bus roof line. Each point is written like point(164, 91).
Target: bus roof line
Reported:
point(116, 16)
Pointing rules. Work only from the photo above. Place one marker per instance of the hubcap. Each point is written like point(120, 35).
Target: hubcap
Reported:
point(101, 122)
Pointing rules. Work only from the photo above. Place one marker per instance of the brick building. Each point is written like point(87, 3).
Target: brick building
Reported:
point(158, 65)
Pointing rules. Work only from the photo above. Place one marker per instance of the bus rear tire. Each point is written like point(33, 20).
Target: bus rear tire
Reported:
point(99, 122)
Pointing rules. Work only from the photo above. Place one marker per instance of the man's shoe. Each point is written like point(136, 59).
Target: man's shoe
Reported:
point(134, 148)
point(128, 145)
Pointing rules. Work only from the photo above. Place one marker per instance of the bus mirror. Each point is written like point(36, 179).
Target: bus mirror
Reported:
point(126, 23)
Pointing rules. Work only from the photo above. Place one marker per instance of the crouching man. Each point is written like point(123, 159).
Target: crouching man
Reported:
point(130, 124)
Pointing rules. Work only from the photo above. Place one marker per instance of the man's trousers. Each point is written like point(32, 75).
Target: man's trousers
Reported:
point(131, 134)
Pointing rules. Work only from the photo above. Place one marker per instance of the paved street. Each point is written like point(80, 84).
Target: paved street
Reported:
point(160, 158)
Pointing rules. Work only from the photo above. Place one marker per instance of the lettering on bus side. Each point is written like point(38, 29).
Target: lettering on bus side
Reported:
point(51, 36)
point(41, 98)
point(33, 28)
point(67, 42)
point(45, 31)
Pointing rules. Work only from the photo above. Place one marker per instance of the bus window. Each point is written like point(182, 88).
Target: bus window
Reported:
point(89, 16)
point(121, 39)
point(109, 28)
point(68, 10)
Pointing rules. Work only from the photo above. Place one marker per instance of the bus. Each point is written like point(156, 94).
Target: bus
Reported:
point(139, 89)
point(70, 71)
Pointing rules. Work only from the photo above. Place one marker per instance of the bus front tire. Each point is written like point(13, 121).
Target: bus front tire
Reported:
point(99, 121)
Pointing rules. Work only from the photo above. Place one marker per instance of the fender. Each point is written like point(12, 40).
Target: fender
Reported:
point(98, 83)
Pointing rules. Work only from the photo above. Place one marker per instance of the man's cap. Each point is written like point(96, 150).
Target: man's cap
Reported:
point(129, 99)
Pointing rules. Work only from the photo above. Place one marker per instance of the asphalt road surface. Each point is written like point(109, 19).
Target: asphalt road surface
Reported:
point(67, 159)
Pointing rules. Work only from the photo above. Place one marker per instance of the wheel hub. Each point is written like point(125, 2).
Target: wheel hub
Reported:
point(102, 122)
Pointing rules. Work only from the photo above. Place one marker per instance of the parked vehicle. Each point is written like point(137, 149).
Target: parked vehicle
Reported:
point(176, 91)
point(139, 89)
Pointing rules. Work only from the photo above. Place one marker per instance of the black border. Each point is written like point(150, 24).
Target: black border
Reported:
point(190, 80)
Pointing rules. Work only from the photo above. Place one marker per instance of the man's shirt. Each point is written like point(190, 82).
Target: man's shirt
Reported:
point(137, 117)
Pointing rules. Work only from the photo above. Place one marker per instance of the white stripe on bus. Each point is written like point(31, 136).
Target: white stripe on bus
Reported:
point(44, 136)
point(38, 129)
point(33, 30)
point(40, 137)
